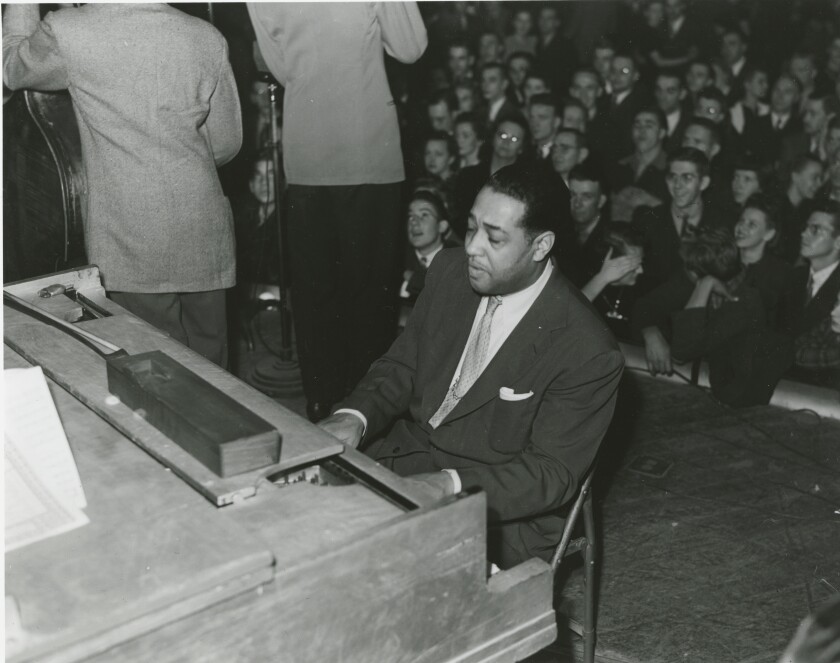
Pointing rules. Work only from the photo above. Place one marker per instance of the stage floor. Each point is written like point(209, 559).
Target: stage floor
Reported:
point(720, 528)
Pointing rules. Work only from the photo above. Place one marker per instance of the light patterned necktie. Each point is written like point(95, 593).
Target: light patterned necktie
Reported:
point(471, 368)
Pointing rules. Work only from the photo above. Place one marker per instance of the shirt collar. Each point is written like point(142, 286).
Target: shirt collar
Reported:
point(429, 256)
point(818, 278)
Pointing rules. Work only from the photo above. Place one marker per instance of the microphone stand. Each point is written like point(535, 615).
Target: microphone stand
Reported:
point(279, 375)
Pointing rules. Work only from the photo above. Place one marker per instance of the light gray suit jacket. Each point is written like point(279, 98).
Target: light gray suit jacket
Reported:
point(157, 109)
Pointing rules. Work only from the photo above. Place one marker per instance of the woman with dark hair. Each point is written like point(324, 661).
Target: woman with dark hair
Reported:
point(469, 138)
point(708, 311)
point(755, 233)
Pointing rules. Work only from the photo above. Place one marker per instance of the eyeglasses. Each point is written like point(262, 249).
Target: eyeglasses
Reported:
point(508, 138)
point(623, 70)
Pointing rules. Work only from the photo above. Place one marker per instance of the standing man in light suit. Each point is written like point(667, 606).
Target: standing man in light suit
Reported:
point(157, 109)
point(344, 167)
point(504, 379)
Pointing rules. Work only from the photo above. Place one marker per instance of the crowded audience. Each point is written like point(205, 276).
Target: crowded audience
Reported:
point(701, 162)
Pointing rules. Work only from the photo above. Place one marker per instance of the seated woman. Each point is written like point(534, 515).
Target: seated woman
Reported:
point(469, 138)
point(612, 290)
point(707, 311)
point(755, 231)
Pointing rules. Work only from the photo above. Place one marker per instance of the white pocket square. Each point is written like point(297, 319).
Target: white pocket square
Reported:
point(507, 394)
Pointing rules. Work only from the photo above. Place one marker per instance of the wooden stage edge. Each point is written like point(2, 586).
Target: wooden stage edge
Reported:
point(789, 395)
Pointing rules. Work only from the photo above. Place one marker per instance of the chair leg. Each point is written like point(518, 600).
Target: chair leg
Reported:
point(589, 580)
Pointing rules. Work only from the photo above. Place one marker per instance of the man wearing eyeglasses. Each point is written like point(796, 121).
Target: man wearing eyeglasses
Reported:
point(817, 343)
point(628, 98)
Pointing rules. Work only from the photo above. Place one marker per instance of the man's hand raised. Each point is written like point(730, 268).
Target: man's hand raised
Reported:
point(347, 427)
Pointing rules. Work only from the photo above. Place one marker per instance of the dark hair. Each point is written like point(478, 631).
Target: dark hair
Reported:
point(767, 206)
point(468, 117)
point(580, 137)
point(627, 55)
point(443, 137)
point(829, 103)
point(732, 29)
point(538, 74)
point(588, 171)
point(671, 72)
point(536, 187)
point(711, 252)
point(832, 208)
point(620, 237)
point(793, 79)
point(443, 96)
point(711, 92)
point(801, 162)
point(707, 124)
point(487, 66)
point(520, 55)
point(433, 199)
point(544, 99)
point(702, 63)
point(568, 102)
point(589, 71)
point(656, 111)
point(691, 155)
point(460, 43)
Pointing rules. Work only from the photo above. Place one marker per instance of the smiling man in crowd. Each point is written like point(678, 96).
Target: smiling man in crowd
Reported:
point(504, 378)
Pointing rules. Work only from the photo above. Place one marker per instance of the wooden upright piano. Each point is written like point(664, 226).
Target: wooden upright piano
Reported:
point(179, 564)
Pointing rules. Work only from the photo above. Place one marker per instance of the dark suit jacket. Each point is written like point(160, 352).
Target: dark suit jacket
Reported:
point(557, 60)
point(618, 138)
point(763, 141)
point(527, 455)
point(810, 314)
point(662, 244)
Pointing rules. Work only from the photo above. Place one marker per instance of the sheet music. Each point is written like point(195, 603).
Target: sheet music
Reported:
point(43, 490)
point(33, 511)
point(32, 423)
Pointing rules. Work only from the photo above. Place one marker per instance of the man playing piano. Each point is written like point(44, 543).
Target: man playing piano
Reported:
point(504, 378)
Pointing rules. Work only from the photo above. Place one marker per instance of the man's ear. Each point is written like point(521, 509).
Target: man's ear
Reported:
point(704, 183)
point(682, 94)
point(584, 152)
point(505, 83)
point(769, 235)
point(715, 150)
point(602, 200)
point(543, 244)
point(557, 122)
point(443, 227)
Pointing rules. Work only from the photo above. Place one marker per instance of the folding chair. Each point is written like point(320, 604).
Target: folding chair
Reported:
point(586, 545)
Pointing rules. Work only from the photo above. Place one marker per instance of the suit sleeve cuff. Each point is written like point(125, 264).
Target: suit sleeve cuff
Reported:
point(456, 480)
point(356, 413)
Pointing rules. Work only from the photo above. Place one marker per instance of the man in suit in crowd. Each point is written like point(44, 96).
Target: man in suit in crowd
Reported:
point(343, 163)
point(815, 118)
point(816, 342)
point(543, 121)
point(763, 135)
point(504, 379)
point(556, 56)
point(670, 97)
point(494, 85)
point(158, 111)
point(628, 98)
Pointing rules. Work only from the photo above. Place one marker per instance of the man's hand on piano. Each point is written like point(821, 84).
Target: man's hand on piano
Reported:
point(436, 485)
point(347, 427)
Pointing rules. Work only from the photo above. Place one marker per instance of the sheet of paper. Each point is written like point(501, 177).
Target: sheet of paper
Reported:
point(33, 510)
point(32, 423)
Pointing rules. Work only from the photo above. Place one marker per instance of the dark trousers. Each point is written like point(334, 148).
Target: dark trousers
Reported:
point(196, 319)
point(344, 246)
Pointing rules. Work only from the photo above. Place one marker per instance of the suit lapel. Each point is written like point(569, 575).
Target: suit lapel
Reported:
point(449, 348)
point(520, 350)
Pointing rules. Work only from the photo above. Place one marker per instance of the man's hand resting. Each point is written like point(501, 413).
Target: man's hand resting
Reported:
point(348, 428)
point(657, 351)
point(436, 485)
